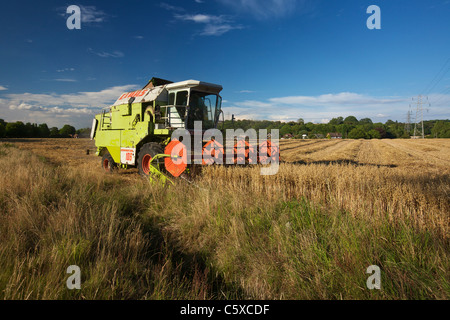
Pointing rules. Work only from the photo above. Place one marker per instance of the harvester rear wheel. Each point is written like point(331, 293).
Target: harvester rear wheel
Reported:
point(108, 163)
point(147, 152)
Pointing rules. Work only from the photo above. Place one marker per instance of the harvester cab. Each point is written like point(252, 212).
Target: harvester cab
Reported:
point(136, 130)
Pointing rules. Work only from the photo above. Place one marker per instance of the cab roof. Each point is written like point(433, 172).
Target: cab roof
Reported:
point(204, 86)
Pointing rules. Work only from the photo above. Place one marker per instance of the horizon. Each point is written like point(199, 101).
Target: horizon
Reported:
point(281, 121)
point(276, 60)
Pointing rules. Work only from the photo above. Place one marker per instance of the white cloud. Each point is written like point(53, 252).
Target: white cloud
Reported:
point(65, 80)
point(246, 91)
point(65, 70)
point(89, 14)
point(2, 88)
point(321, 108)
point(170, 7)
point(200, 18)
point(264, 9)
point(22, 106)
point(213, 25)
point(253, 104)
point(58, 109)
point(334, 99)
point(217, 29)
point(439, 99)
point(103, 54)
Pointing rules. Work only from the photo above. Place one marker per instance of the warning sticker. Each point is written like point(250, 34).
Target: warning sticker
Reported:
point(127, 155)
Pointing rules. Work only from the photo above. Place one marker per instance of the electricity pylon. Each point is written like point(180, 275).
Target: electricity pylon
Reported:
point(419, 116)
point(408, 121)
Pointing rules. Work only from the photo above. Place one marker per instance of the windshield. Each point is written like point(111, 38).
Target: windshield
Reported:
point(203, 107)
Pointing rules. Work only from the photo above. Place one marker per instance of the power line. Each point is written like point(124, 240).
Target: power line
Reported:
point(438, 76)
point(441, 95)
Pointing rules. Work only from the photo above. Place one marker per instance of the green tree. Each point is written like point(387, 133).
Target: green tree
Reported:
point(310, 126)
point(54, 132)
point(285, 130)
point(29, 130)
point(337, 121)
point(365, 121)
point(86, 132)
point(344, 129)
point(351, 120)
point(15, 129)
point(374, 134)
point(295, 129)
point(441, 129)
point(44, 131)
point(381, 131)
point(357, 133)
point(66, 131)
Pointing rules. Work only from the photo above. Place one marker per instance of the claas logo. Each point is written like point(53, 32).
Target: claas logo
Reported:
point(135, 94)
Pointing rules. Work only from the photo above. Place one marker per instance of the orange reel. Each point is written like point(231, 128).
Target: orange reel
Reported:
point(214, 151)
point(243, 157)
point(267, 151)
point(176, 164)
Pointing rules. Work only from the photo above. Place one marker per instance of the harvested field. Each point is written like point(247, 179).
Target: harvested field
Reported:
point(334, 208)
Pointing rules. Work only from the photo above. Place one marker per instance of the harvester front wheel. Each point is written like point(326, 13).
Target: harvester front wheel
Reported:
point(108, 163)
point(146, 154)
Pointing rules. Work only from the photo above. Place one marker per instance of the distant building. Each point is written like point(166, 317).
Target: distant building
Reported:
point(334, 135)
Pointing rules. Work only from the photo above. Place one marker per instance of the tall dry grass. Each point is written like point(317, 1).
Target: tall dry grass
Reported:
point(56, 216)
point(308, 232)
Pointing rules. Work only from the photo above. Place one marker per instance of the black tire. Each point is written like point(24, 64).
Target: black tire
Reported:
point(146, 153)
point(108, 163)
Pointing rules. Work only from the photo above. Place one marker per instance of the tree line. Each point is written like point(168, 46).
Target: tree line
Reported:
point(348, 128)
point(19, 129)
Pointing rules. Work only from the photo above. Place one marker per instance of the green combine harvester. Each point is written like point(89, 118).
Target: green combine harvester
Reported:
point(136, 130)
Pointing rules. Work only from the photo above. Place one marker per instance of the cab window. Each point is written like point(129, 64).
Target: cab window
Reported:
point(171, 98)
point(182, 97)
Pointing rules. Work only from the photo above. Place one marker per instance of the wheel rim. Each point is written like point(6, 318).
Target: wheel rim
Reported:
point(106, 165)
point(146, 163)
point(176, 166)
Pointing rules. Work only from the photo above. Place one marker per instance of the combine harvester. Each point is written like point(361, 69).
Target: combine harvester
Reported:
point(136, 131)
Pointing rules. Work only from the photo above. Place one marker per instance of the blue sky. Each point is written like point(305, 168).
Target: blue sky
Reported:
point(276, 59)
